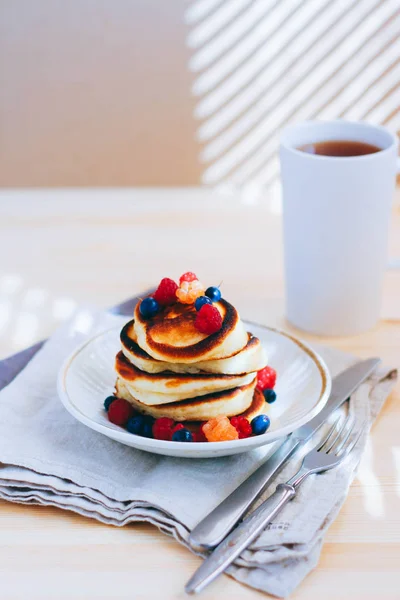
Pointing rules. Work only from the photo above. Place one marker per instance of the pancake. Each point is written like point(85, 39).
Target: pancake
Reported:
point(228, 402)
point(171, 336)
point(257, 407)
point(251, 358)
point(164, 388)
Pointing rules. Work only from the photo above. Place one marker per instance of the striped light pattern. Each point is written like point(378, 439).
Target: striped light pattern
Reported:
point(262, 64)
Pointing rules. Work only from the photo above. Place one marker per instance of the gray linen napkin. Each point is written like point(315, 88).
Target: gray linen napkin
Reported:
point(46, 457)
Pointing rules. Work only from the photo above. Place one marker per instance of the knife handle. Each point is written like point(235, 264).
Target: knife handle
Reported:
point(219, 522)
point(240, 538)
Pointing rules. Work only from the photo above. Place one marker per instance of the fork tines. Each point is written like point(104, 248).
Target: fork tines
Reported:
point(338, 440)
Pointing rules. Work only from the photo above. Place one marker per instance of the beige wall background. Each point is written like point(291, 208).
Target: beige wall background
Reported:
point(182, 92)
point(95, 93)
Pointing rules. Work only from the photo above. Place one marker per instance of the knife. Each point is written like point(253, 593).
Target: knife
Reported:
point(217, 524)
point(12, 365)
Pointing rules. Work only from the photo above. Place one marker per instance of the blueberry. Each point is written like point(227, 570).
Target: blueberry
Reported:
point(182, 435)
point(135, 424)
point(214, 293)
point(260, 424)
point(108, 401)
point(201, 301)
point(148, 307)
point(147, 428)
point(269, 395)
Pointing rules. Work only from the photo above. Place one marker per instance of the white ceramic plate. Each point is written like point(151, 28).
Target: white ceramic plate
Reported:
point(303, 387)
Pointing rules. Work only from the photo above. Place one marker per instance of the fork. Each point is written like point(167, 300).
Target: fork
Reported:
point(329, 453)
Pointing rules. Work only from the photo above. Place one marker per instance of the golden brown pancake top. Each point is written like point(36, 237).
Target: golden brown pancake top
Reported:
point(172, 332)
point(127, 338)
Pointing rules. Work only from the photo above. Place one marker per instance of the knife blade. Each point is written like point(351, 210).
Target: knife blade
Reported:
point(12, 365)
point(219, 522)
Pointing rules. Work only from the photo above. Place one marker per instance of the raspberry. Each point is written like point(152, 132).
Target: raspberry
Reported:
point(201, 430)
point(162, 428)
point(120, 412)
point(199, 435)
point(189, 291)
point(196, 289)
point(219, 430)
point(242, 426)
point(208, 319)
point(187, 277)
point(266, 378)
point(235, 422)
point(166, 292)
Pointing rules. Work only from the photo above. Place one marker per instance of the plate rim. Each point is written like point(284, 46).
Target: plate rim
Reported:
point(196, 449)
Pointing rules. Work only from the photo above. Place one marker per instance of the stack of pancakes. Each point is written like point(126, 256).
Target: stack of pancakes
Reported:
point(167, 368)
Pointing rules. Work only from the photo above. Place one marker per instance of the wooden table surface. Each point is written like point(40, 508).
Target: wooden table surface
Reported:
point(59, 248)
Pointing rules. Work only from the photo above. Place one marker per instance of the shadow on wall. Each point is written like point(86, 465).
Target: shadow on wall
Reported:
point(260, 65)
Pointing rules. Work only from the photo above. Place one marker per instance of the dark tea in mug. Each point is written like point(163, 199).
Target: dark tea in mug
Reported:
point(339, 148)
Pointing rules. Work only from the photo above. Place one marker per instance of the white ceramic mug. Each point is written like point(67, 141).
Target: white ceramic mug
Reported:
point(336, 212)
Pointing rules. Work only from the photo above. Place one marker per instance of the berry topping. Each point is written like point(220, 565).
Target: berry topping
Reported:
point(214, 293)
point(182, 435)
point(260, 424)
point(166, 292)
point(120, 411)
point(135, 424)
point(208, 319)
point(266, 378)
point(198, 436)
point(108, 401)
point(242, 426)
point(269, 395)
point(147, 427)
point(177, 427)
point(201, 300)
point(162, 428)
point(148, 307)
point(189, 291)
point(219, 430)
point(187, 277)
